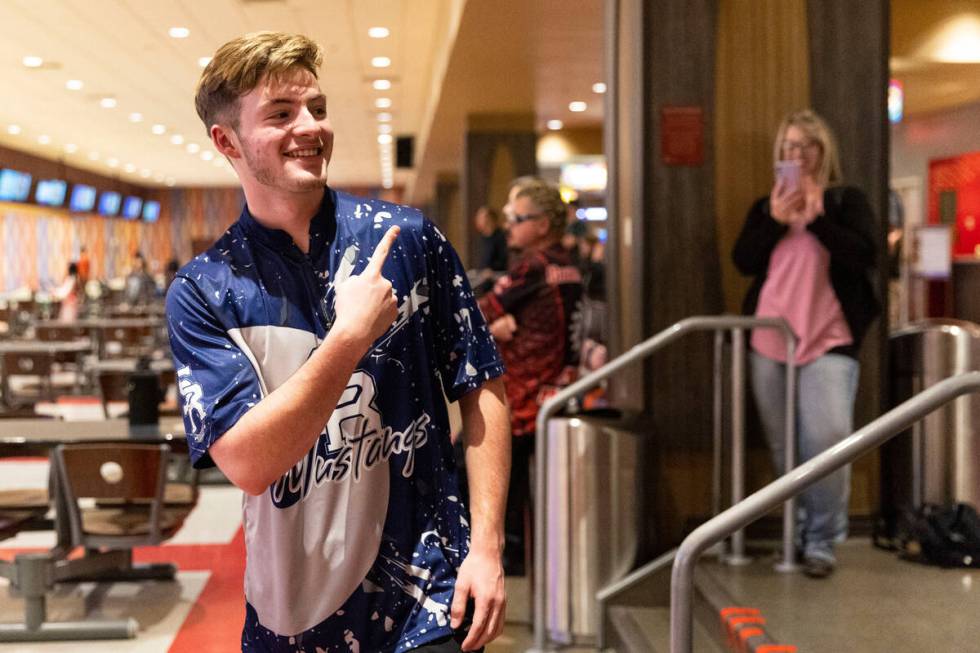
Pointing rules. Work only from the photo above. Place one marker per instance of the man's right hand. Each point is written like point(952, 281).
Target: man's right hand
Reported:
point(366, 304)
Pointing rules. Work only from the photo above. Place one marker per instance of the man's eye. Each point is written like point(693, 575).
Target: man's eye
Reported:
point(280, 115)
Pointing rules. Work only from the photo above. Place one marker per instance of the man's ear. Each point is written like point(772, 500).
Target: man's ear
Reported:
point(225, 140)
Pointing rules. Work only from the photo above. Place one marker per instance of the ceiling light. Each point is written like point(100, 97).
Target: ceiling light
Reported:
point(74, 84)
point(43, 139)
point(380, 62)
point(383, 103)
point(381, 84)
point(129, 167)
point(577, 106)
point(179, 32)
point(112, 163)
point(158, 129)
point(378, 32)
point(13, 130)
point(384, 138)
point(387, 183)
point(33, 62)
point(193, 148)
point(71, 148)
point(384, 129)
point(108, 103)
point(207, 155)
point(203, 61)
point(158, 177)
point(384, 117)
point(136, 117)
point(93, 156)
point(171, 181)
point(555, 125)
point(177, 139)
point(599, 87)
point(145, 174)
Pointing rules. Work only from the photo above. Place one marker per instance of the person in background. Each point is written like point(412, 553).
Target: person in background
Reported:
point(170, 273)
point(84, 267)
point(532, 312)
point(810, 248)
point(140, 286)
point(493, 239)
point(69, 293)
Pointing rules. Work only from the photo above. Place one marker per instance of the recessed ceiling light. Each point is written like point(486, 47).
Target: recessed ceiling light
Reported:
point(599, 87)
point(158, 177)
point(112, 163)
point(384, 117)
point(193, 148)
point(384, 138)
point(43, 139)
point(74, 84)
point(384, 128)
point(32, 61)
point(177, 139)
point(93, 156)
point(158, 129)
point(378, 32)
point(145, 174)
point(383, 103)
point(555, 125)
point(380, 62)
point(381, 84)
point(108, 103)
point(136, 117)
point(129, 167)
point(203, 61)
point(207, 155)
point(13, 130)
point(71, 148)
point(577, 106)
point(179, 32)
point(171, 181)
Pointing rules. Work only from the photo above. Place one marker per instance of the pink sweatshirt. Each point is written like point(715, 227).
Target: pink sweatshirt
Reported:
point(797, 288)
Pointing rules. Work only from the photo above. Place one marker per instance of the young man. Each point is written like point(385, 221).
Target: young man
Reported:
point(313, 344)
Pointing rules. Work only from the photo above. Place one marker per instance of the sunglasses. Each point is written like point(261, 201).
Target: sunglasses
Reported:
point(518, 219)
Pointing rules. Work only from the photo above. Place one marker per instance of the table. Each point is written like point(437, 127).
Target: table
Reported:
point(34, 574)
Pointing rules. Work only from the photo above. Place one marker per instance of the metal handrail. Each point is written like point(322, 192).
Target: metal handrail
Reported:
point(791, 484)
point(638, 352)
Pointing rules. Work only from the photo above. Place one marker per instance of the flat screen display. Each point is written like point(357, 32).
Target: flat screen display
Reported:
point(132, 207)
point(109, 203)
point(151, 211)
point(51, 192)
point(15, 186)
point(82, 198)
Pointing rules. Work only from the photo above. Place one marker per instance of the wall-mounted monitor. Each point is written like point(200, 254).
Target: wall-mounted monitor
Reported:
point(15, 186)
point(50, 192)
point(132, 207)
point(151, 211)
point(82, 199)
point(109, 203)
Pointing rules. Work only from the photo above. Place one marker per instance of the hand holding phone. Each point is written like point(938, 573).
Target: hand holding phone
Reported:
point(788, 173)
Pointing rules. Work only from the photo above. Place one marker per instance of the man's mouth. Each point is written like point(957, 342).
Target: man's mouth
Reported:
point(299, 154)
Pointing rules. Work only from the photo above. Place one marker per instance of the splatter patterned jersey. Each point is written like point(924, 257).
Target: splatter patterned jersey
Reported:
point(356, 547)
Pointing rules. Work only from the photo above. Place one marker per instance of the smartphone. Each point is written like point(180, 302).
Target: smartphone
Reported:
point(789, 173)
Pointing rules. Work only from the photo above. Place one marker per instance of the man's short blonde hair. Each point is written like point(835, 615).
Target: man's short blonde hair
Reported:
point(547, 199)
point(241, 64)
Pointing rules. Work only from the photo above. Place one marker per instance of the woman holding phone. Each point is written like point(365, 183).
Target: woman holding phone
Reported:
point(810, 247)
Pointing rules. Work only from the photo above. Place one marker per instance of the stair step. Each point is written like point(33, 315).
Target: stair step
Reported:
point(647, 630)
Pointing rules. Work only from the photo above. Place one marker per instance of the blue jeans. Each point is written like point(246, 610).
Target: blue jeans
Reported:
point(824, 416)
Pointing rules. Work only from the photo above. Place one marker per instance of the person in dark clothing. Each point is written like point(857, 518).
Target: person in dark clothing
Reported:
point(493, 239)
point(810, 247)
point(532, 316)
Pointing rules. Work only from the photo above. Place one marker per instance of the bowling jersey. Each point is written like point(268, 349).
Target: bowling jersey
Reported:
point(356, 547)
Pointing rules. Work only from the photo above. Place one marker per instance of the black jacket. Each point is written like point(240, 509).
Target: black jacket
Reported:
point(845, 229)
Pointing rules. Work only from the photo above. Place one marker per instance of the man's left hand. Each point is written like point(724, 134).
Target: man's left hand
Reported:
point(480, 577)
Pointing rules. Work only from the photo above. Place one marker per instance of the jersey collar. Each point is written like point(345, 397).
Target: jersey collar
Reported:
point(323, 227)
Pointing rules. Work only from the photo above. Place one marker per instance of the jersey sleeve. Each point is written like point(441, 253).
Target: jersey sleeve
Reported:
point(466, 353)
point(216, 381)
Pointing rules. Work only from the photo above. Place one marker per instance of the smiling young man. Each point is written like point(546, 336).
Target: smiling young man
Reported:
point(313, 343)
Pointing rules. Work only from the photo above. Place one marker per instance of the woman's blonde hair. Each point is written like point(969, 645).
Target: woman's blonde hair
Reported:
point(547, 198)
point(816, 131)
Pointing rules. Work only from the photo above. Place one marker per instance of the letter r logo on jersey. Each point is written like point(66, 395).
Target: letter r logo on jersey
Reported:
point(191, 394)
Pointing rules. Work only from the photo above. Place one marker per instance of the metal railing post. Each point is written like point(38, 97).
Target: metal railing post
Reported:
point(792, 483)
point(788, 563)
point(737, 556)
point(716, 435)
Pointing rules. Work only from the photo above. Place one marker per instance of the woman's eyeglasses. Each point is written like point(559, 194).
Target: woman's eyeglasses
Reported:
point(514, 218)
point(802, 146)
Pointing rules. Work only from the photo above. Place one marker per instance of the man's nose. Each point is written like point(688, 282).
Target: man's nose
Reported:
point(305, 122)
